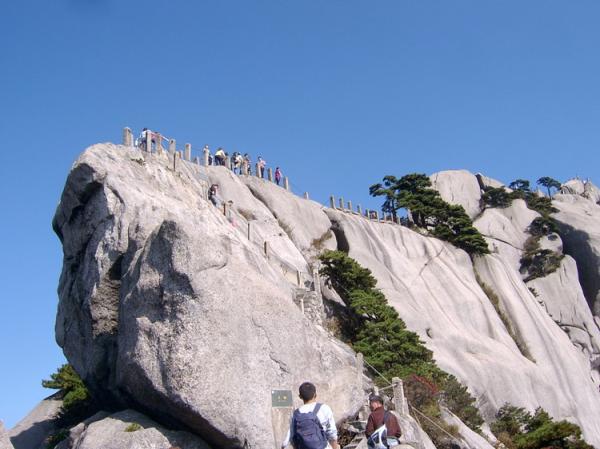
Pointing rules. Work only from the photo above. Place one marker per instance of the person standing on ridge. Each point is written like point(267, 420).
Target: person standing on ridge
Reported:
point(277, 175)
point(261, 166)
point(248, 163)
point(220, 156)
point(382, 430)
point(311, 425)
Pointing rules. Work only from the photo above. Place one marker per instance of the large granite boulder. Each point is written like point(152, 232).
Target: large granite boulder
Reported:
point(505, 229)
point(459, 187)
point(167, 306)
point(578, 219)
point(127, 429)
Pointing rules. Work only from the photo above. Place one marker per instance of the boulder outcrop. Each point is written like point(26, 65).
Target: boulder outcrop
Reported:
point(167, 306)
point(459, 187)
point(175, 307)
point(578, 219)
point(127, 429)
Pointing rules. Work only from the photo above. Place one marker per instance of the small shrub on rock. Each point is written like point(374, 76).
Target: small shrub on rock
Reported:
point(496, 197)
point(133, 427)
point(519, 429)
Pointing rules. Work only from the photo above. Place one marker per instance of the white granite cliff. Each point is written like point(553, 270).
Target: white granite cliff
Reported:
point(166, 304)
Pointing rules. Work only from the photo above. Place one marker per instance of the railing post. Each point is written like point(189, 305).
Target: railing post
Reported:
point(205, 153)
point(188, 151)
point(298, 277)
point(377, 215)
point(350, 206)
point(286, 183)
point(248, 230)
point(316, 281)
point(159, 147)
point(399, 399)
point(245, 167)
point(127, 137)
point(228, 162)
point(149, 141)
point(306, 195)
point(172, 146)
point(266, 248)
point(368, 214)
point(358, 209)
point(342, 203)
point(332, 201)
point(270, 174)
point(258, 171)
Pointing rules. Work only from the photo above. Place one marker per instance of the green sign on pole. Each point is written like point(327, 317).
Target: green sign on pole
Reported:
point(281, 398)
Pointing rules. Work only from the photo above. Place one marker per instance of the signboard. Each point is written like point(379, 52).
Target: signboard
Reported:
point(281, 398)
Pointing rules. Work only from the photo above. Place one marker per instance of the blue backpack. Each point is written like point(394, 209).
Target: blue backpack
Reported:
point(308, 432)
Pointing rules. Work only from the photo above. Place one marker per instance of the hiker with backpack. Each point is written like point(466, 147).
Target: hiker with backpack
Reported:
point(383, 430)
point(277, 175)
point(312, 425)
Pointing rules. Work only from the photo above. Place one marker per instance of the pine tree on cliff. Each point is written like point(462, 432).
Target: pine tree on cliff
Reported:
point(429, 211)
point(549, 183)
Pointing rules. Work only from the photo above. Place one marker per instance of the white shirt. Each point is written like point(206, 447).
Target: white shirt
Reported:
point(325, 416)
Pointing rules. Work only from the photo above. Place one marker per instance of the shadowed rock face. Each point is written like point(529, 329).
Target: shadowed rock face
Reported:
point(578, 219)
point(168, 306)
point(165, 306)
point(33, 429)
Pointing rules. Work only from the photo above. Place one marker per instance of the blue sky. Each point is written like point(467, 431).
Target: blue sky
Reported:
point(338, 93)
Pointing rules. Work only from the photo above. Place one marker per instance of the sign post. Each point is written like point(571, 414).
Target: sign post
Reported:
point(282, 405)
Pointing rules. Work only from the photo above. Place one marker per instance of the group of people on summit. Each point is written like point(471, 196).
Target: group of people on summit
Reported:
point(239, 164)
point(312, 425)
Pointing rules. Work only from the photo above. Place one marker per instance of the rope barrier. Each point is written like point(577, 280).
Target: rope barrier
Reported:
point(433, 422)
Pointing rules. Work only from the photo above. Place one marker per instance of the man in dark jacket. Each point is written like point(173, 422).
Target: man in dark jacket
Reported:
point(378, 416)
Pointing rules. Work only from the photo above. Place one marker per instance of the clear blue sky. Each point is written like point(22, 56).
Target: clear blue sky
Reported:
point(338, 93)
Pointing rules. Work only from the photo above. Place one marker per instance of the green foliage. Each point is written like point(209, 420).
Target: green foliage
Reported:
point(549, 183)
point(429, 211)
point(457, 398)
point(537, 262)
point(517, 428)
point(542, 226)
point(521, 186)
point(540, 204)
point(386, 189)
point(496, 197)
point(56, 437)
point(375, 329)
point(510, 419)
point(133, 427)
point(71, 385)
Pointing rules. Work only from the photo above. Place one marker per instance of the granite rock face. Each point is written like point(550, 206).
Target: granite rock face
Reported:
point(459, 187)
point(578, 217)
point(167, 300)
point(167, 306)
point(4, 440)
point(32, 431)
point(127, 429)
